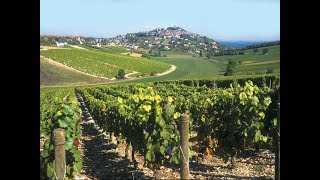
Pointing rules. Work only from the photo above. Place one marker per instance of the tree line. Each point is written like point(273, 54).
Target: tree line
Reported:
point(265, 44)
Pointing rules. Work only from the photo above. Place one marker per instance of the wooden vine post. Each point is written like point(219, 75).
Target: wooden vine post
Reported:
point(277, 153)
point(184, 147)
point(59, 153)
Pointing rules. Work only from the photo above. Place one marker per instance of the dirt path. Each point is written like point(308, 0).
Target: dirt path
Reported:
point(69, 68)
point(265, 62)
point(78, 47)
point(52, 47)
point(103, 158)
point(173, 67)
point(127, 75)
point(113, 80)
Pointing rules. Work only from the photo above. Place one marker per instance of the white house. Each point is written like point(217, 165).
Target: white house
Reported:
point(166, 48)
point(60, 44)
point(135, 47)
point(80, 40)
point(111, 44)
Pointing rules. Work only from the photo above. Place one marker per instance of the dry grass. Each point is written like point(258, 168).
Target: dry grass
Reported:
point(135, 54)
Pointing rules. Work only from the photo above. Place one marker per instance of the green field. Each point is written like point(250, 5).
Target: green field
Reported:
point(103, 64)
point(250, 57)
point(53, 75)
point(261, 68)
point(187, 67)
point(115, 49)
point(274, 53)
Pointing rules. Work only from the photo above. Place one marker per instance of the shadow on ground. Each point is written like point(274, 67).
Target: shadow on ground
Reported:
point(100, 157)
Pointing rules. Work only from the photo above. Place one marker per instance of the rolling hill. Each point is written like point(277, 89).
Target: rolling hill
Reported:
point(103, 64)
point(252, 62)
point(55, 75)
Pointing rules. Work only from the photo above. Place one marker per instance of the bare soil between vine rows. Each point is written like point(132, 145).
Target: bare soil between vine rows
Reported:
point(103, 158)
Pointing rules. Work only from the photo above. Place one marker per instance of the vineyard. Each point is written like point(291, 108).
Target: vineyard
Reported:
point(52, 74)
point(228, 116)
point(104, 64)
point(59, 109)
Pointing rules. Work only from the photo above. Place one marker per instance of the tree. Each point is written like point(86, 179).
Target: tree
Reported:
point(241, 52)
point(255, 50)
point(270, 70)
point(158, 53)
point(153, 73)
point(46, 41)
point(210, 53)
point(121, 74)
point(265, 51)
point(230, 68)
point(144, 55)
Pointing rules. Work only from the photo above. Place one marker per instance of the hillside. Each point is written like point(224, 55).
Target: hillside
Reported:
point(54, 75)
point(171, 38)
point(188, 66)
point(104, 64)
point(252, 62)
point(194, 56)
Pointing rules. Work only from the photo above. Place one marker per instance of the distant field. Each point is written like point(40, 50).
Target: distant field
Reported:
point(121, 50)
point(261, 68)
point(115, 49)
point(103, 64)
point(53, 75)
point(174, 53)
point(188, 67)
point(251, 58)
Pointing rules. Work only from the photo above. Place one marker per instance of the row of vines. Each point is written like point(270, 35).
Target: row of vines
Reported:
point(146, 115)
point(59, 109)
point(102, 63)
point(239, 116)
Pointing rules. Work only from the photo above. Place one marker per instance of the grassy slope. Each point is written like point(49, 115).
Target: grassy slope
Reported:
point(187, 67)
point(115, 49)
point(103, 63)
point(52, 75)
point(251, 57)
point(261, 68)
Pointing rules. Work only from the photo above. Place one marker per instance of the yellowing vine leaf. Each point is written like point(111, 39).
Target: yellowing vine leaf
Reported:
point(147, 108)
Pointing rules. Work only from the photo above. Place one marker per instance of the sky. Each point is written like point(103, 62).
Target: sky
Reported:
point(228, 20)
